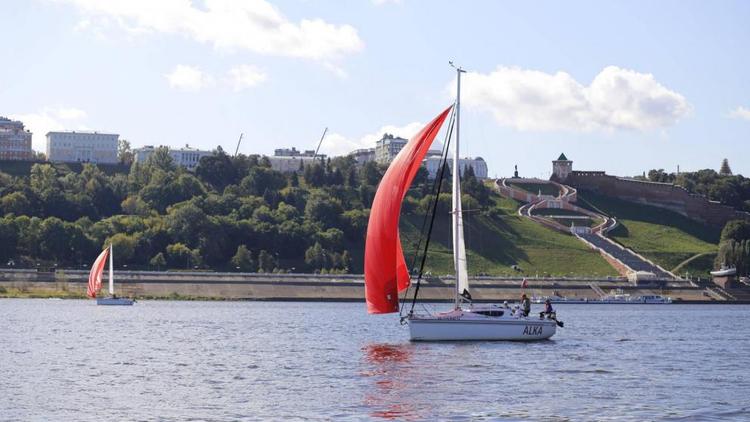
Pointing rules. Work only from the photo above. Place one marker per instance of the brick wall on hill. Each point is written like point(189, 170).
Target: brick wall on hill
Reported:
point(663, 195)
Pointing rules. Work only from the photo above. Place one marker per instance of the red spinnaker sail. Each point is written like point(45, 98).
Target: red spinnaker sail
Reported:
point(386, 272)
point(95, 276)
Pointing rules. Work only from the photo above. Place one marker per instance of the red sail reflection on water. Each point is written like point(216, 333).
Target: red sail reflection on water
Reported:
point(389, 366)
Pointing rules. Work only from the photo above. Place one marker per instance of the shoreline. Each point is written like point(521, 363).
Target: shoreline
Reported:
point(334, 288)
point(181, 298)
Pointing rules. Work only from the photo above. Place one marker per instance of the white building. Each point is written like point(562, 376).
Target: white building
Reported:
point(288, 160)
point(388, 147)
point(82, 147)
point(15, 141)
point(187, 157)
point(477, 164)
point(363, 155)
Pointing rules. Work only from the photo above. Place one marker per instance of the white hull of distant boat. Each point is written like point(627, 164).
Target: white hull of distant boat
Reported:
point(464, 325)
point(114, 301)
point(558, 299)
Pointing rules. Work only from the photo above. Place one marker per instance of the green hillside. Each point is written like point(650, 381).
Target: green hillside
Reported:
point(498, 238)
point(663, 236)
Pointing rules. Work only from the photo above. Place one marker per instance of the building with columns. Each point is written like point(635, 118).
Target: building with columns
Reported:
point(82, 147)
point(187, 157)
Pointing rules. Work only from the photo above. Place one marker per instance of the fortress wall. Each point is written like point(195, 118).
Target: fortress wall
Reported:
point(663, 195)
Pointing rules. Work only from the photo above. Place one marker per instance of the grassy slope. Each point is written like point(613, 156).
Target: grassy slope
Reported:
point(663, 236)
point(496, 243)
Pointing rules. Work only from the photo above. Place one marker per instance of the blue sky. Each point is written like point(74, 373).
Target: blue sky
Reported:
point(618, 86)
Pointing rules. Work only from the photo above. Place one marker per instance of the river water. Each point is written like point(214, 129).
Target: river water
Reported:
point(161, 360)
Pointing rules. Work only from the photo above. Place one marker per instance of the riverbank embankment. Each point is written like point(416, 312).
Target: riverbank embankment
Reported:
point(323, 287)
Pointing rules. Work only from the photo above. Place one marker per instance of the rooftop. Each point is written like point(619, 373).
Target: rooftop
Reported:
point(81, 132)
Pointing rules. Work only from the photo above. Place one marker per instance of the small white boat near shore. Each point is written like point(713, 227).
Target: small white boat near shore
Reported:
point(95, 281)
point(558, 299)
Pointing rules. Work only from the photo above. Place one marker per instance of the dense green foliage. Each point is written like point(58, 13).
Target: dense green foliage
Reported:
point(734, 250)
point(733, 190)
point(237, 214)
point(233, 213)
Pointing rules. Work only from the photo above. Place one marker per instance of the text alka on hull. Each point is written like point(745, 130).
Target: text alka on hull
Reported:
point(95, 281)
point(386, 272)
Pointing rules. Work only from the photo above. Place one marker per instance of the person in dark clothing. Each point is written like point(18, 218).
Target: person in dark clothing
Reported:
point(548, 311)
point(525, 305)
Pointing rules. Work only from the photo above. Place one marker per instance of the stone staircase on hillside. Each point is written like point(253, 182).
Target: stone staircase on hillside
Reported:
point(627, 257)
point(623, 259)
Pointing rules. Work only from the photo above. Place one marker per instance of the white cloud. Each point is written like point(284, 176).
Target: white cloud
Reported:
point(531, 100)
point(252, 25)
point(382, 2)
point(245, 76)
point(338, 144)
point(50, 119)
point(70, 113)
point(188, 78)
point(740, 113)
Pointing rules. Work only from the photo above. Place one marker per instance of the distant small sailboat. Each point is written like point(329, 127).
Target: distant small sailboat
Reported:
point(95, 281)
point(386, 271)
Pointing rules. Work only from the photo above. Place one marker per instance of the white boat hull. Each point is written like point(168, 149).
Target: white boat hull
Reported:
point(122, 301)
point(466, 326)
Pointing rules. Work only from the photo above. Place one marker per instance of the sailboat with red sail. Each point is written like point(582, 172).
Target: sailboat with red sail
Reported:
point(386, 271)
point(95, 281)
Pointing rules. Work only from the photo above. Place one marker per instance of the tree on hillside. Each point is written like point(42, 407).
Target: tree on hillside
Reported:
point(43, 178)
point(266, 262)
point(316, 257)
point(217, 169)
point(737, 230)
point(315, 174)
point(124, 152)
point(262, 178)
point(179, 255)
point(725, 170)
point(8, 239)
point(158, 261)
point(162, 160)
point(734, 254)
point(15, 203)
point(242, 260)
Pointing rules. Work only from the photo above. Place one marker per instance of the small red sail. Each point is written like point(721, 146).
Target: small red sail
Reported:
point(95, 276)
point(386, 272)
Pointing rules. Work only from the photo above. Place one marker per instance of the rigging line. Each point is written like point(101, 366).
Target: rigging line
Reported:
point(427, 213)
point(435, 191)
point(434, 212)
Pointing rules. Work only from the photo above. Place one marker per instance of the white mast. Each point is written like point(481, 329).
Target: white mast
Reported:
point(111, 273)
point(459, 248)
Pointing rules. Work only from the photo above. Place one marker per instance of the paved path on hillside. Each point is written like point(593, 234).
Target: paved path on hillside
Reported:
point(627, 257)
point(597, 237)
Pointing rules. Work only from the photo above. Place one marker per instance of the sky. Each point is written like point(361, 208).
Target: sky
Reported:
point(620, 86)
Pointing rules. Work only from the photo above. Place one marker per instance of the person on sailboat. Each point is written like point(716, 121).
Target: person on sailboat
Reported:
point(525, 305)
point(548, 311)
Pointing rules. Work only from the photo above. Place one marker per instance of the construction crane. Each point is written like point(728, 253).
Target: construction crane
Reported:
point(236, 150)
point(319, 142)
